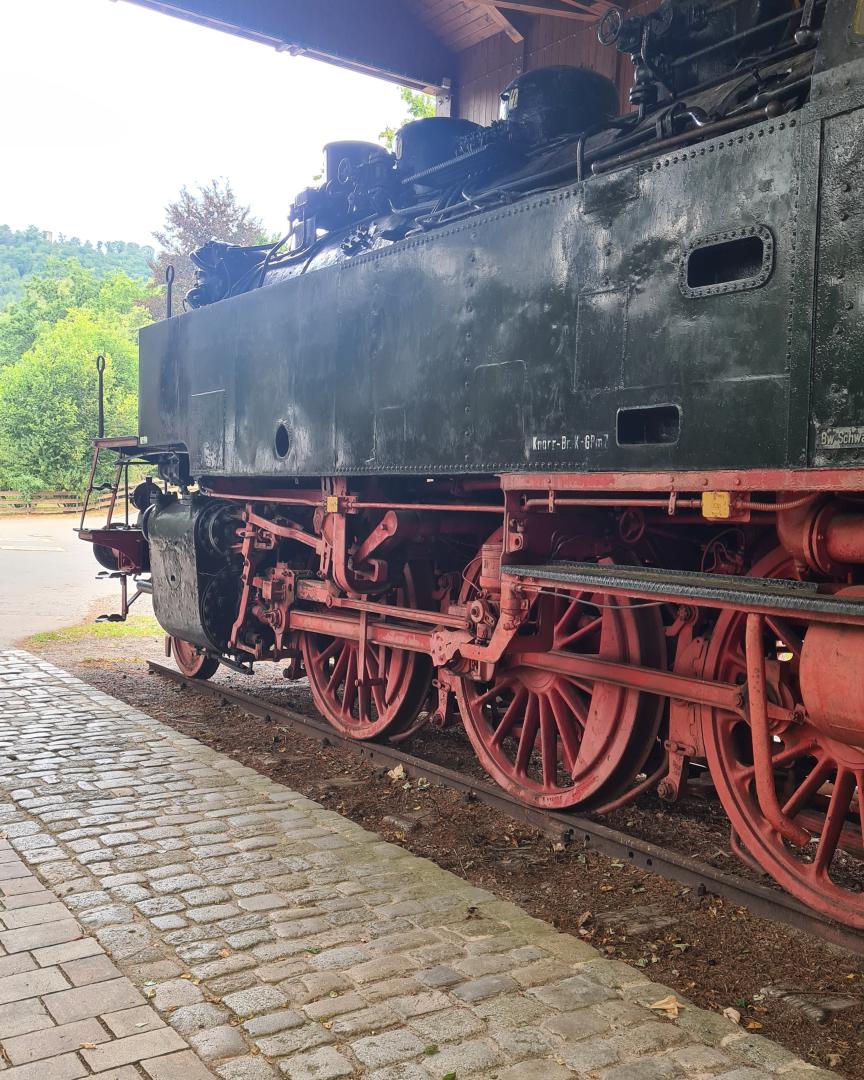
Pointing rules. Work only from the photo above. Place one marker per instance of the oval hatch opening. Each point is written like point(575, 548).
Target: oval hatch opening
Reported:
point(282, 442)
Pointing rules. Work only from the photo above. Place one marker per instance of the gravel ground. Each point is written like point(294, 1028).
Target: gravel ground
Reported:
point(716, 954)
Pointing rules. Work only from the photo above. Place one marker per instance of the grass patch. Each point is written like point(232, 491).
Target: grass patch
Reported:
point(136, 626)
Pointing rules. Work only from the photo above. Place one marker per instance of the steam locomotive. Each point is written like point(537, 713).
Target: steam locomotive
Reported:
point(556, 427)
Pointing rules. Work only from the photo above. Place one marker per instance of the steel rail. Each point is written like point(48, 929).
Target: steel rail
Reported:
point(568, 829)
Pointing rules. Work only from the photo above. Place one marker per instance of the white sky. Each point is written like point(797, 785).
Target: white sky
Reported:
point(107, 109)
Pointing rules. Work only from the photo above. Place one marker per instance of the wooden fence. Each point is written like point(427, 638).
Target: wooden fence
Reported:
point(14, 504)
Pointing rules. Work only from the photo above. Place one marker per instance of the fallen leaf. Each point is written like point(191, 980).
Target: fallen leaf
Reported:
point(224, 952)
point(87, 1046)
point(733, 1015)
point(669, 1005)
point(754, 1025)
point(397, 773)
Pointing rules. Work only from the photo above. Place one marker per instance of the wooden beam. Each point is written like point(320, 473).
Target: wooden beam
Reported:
point(501, 21)
point(558, 8)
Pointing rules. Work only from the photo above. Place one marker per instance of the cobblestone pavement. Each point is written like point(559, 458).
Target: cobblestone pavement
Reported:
point(190, 917)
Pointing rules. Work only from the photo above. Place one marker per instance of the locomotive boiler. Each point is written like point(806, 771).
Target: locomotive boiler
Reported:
point(554, 428)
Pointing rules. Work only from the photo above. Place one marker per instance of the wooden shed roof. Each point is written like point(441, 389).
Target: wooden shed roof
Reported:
point(417, 42)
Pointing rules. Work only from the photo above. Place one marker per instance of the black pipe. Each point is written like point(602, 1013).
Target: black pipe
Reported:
point(100, 368)
point(729, 123)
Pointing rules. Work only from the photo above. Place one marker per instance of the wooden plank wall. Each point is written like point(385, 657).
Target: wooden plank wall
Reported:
point(486, 68)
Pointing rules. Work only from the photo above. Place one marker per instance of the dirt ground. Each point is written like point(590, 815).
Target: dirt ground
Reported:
point(717, 955)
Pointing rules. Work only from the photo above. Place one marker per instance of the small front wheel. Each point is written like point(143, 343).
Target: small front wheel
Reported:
point(193, 662)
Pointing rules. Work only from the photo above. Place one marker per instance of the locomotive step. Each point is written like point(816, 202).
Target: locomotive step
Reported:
point(714, 590)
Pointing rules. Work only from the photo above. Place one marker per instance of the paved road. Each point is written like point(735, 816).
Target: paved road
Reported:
point(269, 933)
point(47, 576)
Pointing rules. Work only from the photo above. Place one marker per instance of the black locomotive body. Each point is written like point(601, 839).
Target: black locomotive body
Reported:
point(567, 412)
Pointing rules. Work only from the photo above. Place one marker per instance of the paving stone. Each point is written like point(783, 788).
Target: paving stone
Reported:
point(125, 1072)
point(700, 1059)
point(16, 964)
point(648, 1069)
point(31, 984)
point(572, 993)
point(71, 950)
point(535, 1070)
point(373, 1019)
point(134, 1048)
point(37, 937)
point(523, 1042)
point(173, 994)
point(580, 1024)
point(246, 1068)
point(191, 1018)
point(70, 1005)
point(222, 1041)
point(325, 1063)
point(588, 1055)
point(391, 1046)
point(464, 1058)
point(328, 1007)
point(21, 1017)
point(272, 1023)
point(303, 1037)
point(65, 1067)
point(488, 986)
point(90, 969)
point(132, 1021)
point(744, 1074)
point(34, 915)
point(258, 999)
point(182, 1065)
point(406, 1070)
point(58, 1040)
point(758, 1052)
point(446, 1026)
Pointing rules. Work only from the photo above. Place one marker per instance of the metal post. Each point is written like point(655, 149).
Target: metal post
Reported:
point(169, 293)
point(100, 367)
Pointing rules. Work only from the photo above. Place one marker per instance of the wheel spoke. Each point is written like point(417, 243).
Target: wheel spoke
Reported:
point(801, 797)
point(349, 694)
point(339, 669)
point(565, 721)
point(577, 635)
point(527, 737)
point(568, 694)
point(331, 650)
point(511, 715)
point(571, 608)
point(835, 817)
point(548, 743)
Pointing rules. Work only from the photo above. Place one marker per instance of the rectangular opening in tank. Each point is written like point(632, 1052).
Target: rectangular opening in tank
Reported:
point(649, 425)
point(732, 260)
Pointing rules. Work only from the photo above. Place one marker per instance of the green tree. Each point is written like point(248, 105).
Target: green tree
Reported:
point(28, 252)
point(212, 212)
point(48, 399)
point(419, 106)
point(63, 286)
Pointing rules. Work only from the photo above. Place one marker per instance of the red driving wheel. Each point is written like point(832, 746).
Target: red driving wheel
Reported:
point(818, 779)
point(553, 739)
point(192, 661)
point(394, 682)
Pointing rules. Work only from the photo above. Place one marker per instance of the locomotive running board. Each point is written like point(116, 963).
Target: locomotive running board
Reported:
point(764, 596)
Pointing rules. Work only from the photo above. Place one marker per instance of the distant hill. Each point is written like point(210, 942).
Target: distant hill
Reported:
point(25, 252)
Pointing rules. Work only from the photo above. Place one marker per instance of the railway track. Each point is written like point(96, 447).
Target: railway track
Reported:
point(569, 829)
